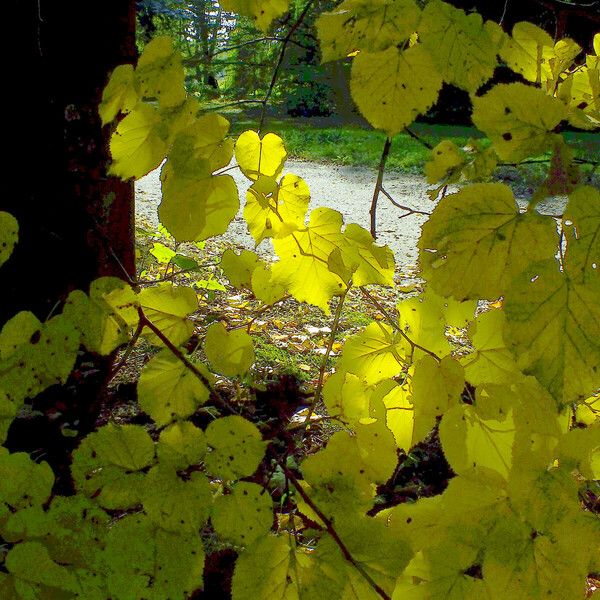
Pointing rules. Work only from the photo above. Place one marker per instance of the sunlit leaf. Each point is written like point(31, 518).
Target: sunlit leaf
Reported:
point(366, 25)
point(519, 119)
point(230, 353)
point(477, 240)
point(168, 390)
point(262, 12)
point(236, 447)
point(553, 327)
point(256, 156)
point(391, 88)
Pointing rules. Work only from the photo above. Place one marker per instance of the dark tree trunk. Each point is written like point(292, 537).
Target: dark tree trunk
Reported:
point(76, 222)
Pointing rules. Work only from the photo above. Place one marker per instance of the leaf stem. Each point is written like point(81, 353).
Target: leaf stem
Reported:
point(379, 186)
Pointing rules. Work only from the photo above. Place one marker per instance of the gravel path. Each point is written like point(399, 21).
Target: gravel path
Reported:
point(346, 189)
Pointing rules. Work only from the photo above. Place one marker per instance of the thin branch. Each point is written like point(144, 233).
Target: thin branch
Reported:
point(285, 42)
point(419, 139)
point(378, 186)
point(128, 350)
point(223, 404)
point(333, 533)
point(334, 328)
point(397, 327)
point(409, 211)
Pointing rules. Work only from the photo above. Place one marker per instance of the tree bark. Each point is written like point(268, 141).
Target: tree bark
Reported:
point(76, 223)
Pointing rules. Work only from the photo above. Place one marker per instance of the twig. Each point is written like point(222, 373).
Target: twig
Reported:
point(128, 350)
point(285, 42)
point(397, 327)
point(334, 328)
point(145, 322)
point(333, 533)
point(409, 211)
point(419, 139)
point(379, 186)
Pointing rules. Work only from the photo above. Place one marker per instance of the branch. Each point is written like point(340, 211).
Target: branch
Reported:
point(333, 533)
point(145, 322)
point(379, 186)
point(397, 327)
point(409, 211)
point(419, 139)
point(285, 42)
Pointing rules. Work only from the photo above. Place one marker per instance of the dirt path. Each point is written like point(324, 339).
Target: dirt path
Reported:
point(346, 189)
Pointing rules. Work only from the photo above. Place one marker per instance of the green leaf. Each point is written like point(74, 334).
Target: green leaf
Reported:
point(440, 573)
point(436, 387)
point(174, 504)
point(22, 557)
point(445, 158)
point(138, 145)
point(519, 120)
point(581, 92)
point(263, 287)
point(230, 353)
point(391, 88)
point(244, 515)
point(144, 561)
point(365, 25)
point(463, 51)
point(108, 464)
point(168, 390)
point(528, 52)
point(269, 569)
point(553, 328)
point(238, 268)
point(34, 356)
point(471, 443)
point(181, 444)
point(159, 73)
point(491, 362)
point(374, 354)
point(477, 240)
point(9, 235)
point(256, 156)
point(236, 448)
point(119, 95)
point(106, 317)
point(24, 482)
point(262, 12)
point(167, 306)
point(400, 411)
point(583, 250)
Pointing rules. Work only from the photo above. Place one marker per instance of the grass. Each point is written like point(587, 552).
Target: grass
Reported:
point(321, 139)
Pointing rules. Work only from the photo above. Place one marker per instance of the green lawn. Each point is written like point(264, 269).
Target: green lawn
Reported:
point(315, 139)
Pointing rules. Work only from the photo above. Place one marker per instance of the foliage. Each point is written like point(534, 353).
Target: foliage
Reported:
point(516, 416)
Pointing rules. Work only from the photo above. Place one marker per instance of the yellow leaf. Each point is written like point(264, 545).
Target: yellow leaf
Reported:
point(159, 73)
point(262, 12)
point(391, 88)
point(119, 95)
point(302, 268)
point(138, 145)
point(365, 25)
point(477, 240)
point(519, 120)
point(463, 51)
point(374, 354)
point(256, 156)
